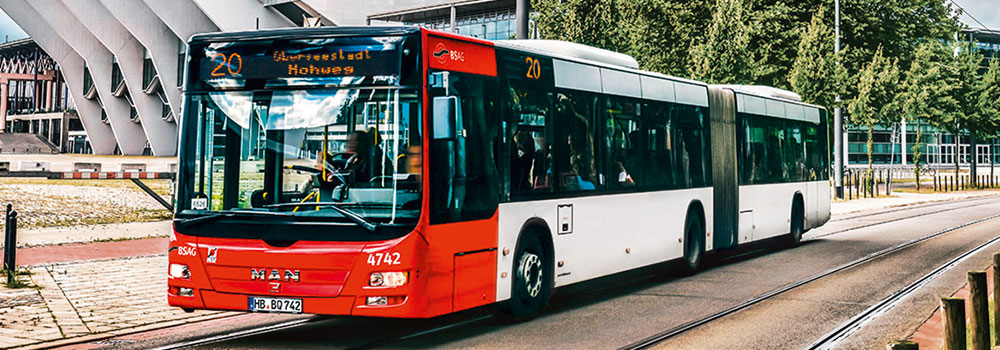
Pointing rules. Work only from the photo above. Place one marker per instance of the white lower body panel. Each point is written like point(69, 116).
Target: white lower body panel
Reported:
point(601, 235)
point(769, 207)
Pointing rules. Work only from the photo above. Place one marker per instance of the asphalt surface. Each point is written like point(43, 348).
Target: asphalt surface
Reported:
point(619, 310)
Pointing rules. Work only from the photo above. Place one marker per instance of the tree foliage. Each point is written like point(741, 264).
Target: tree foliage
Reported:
point(724, 56)
point(927, 94)
point(816, 73)
point(989, 95)
point(876, 102)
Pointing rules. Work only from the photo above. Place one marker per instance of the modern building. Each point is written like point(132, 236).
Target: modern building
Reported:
point(36, 101)
point(938, 147)
point(122, 59)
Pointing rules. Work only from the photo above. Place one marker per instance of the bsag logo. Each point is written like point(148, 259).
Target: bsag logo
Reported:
point(443, 54)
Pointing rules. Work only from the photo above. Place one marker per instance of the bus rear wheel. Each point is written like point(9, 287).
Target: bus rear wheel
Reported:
point(532, 279)
point(694, 247)
point(797, 228)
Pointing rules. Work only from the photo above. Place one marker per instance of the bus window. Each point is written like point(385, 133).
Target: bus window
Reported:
point(622, 140)
point(691, 151)
point(464, 170)
point(576, 163)
point(531, 154)
point(659, 147)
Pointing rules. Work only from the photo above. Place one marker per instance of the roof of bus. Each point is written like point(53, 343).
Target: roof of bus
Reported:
point(264, 34)
point(741, 89)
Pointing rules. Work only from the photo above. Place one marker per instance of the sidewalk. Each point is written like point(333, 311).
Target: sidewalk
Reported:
point(930, 334)
point(90, 283)
point(90, 300)
point(899, 199)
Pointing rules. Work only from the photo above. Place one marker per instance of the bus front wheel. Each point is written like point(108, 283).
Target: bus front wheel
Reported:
point(532, 279)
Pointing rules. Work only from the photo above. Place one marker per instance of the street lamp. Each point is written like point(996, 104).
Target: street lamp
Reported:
point(838, 120)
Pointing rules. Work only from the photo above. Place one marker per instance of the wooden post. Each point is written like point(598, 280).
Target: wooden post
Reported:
point(996, 296)
point(902, 345)
point(980, 316)
point(954, 323)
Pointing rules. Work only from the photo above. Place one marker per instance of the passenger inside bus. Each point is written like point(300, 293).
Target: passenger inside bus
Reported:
point(522, 159)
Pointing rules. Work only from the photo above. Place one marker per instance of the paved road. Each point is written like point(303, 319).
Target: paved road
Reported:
point(622, 309)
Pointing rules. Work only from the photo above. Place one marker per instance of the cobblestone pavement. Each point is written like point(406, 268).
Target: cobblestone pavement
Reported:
point(87, 298)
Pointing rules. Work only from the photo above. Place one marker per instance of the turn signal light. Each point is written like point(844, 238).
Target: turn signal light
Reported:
point(387, 279)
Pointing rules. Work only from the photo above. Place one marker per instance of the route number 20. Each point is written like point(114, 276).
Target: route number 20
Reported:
point(534, 68)
point(377, 259)
point(234, 59)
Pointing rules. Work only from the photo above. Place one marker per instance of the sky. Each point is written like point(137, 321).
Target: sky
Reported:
point(986, 11)
point(9, 29)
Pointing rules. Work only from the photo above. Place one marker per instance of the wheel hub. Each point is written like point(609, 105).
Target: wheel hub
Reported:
point(530, 270)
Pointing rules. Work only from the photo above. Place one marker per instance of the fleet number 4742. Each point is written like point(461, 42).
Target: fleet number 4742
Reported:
point(379, 259)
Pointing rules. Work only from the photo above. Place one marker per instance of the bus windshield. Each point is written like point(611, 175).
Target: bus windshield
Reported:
point(307, 152)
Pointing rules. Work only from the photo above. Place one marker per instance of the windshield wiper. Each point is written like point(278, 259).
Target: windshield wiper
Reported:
point(224, 214)
point(350, 215)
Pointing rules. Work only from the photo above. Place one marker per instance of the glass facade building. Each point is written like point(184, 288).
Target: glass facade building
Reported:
point(938, 146)
point(492, 25)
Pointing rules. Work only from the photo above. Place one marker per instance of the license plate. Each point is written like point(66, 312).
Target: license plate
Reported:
point(262, 304)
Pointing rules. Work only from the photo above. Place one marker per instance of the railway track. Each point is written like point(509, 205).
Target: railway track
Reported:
point(826, 342)
point(847, 328)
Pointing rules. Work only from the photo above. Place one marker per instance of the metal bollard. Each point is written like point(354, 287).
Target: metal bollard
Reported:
point(996, 296)
point(954, 323)
point(980, 314)
point(10, 243)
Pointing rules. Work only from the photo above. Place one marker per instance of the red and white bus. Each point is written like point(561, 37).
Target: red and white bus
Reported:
point(405, 172)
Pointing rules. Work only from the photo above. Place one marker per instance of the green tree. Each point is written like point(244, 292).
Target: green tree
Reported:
point(989, 100)
point(927, 94)
point(659, 34)
point(876, 102)
point(723, 57)
point(816, 73)
point(966, 64)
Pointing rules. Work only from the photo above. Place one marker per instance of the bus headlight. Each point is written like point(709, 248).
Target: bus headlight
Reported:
point(387, 279)
point(180, 271)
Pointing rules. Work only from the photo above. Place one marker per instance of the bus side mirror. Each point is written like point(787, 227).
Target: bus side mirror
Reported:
point(445, 115)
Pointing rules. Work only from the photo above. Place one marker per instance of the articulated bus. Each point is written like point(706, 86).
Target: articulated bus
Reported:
point(405, 172)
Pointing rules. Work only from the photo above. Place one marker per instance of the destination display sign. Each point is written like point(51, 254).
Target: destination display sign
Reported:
point(318, 61)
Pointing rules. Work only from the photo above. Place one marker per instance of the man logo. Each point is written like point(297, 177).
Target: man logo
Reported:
point(274, 275)
point(275, 287)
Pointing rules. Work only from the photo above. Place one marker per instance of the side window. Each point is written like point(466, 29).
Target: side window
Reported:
point(529, 138)
point(692, 152)
point(658, 128)
point(576, 160)
point(795, 154)
point(464, 170)
point(746, 158)
point(623, 140)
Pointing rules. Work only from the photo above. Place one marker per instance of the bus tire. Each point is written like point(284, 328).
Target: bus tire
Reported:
point(532, 279)
point(797, 222)
point(694, 245)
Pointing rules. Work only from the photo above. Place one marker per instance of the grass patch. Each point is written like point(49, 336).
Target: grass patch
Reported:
point(19, 280)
